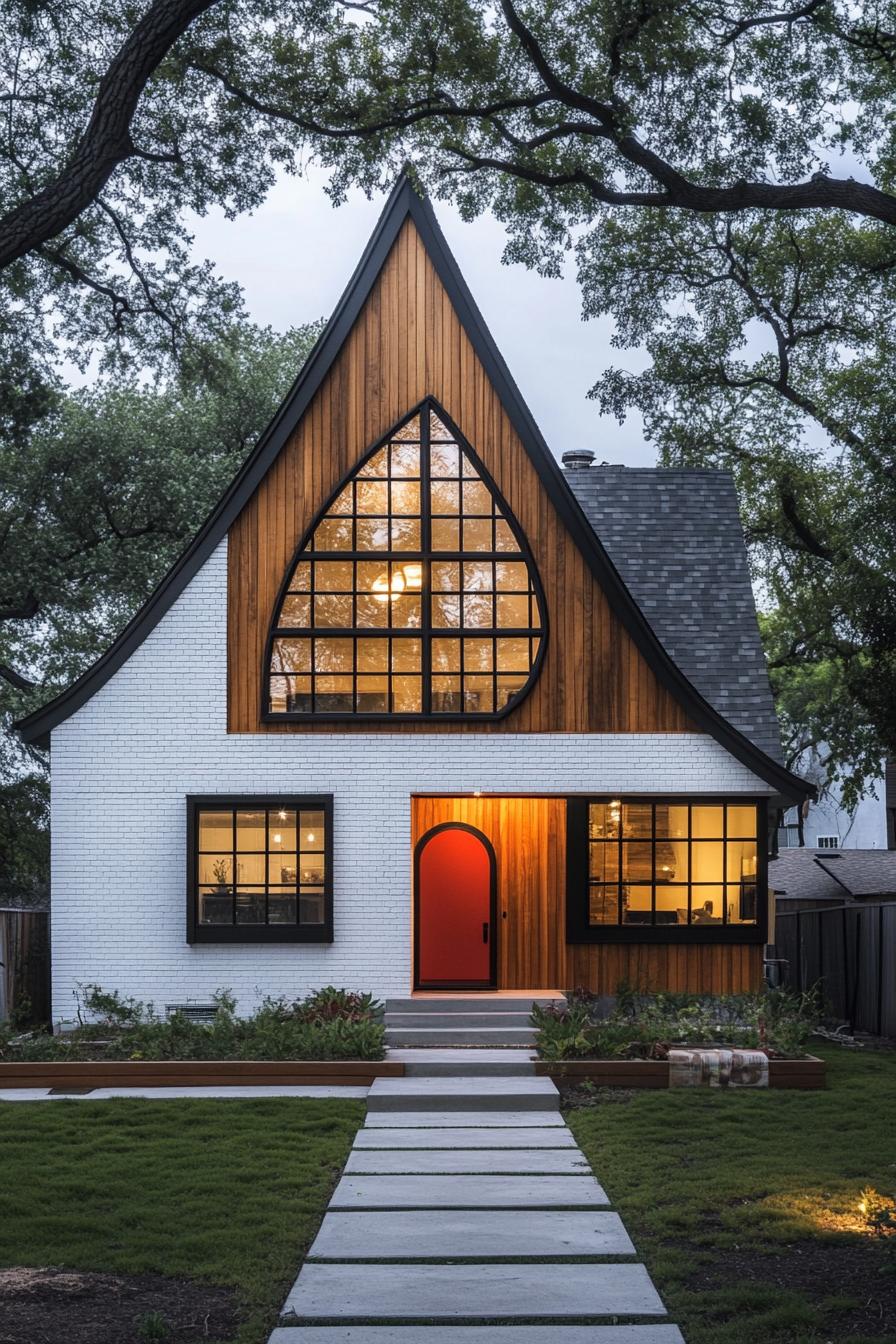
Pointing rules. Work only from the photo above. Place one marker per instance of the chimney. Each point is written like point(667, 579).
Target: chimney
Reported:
point(577, 457)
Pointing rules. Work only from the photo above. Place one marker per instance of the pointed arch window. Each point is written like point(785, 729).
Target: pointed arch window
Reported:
point(414, 593)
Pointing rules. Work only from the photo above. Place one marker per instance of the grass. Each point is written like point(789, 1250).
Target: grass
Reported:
point(744, 1205)
point(228, 1191)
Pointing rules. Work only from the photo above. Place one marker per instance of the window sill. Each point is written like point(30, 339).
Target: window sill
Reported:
point(259, 934)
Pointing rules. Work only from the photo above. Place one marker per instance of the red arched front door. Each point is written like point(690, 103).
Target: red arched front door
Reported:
point(455, 909)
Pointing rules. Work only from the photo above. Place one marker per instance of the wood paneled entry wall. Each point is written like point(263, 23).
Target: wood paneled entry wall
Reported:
point(529, 839)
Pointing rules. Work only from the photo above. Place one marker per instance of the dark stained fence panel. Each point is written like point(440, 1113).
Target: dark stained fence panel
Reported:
point(850, 953)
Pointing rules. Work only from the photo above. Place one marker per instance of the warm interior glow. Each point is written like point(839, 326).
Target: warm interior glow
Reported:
point(413, 576)
point(382, 589)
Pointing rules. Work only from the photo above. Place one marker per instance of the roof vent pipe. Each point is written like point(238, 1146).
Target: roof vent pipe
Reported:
point(577, 457)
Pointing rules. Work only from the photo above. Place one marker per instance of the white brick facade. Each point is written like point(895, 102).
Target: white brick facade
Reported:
point(156, 731)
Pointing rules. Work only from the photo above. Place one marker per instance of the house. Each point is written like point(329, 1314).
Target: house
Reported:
point(807, 879)
point(829, 824)
point(419, 708)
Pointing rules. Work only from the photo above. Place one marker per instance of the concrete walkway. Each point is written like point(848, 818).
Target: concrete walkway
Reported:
point(424, 1240)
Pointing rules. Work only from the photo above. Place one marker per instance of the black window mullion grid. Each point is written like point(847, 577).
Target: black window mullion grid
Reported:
point(653, 863)
point(620, 881)
point(233, 871)
point(724, 865)
point(690, 867)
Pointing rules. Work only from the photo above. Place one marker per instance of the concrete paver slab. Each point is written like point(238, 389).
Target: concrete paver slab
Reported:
point(425, 1234)
point(546, 1137)
point(423, 1292)
point(478, 1334)
point(463, 1119)
point(462, 1094)
point(559, 1161)
point(467, 1192)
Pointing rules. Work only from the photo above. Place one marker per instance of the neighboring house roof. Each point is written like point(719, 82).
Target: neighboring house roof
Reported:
point(836, 875)
point(675, 536)
point(404, 202)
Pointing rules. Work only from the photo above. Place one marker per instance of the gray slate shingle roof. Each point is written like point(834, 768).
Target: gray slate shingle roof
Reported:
point(802, 873)
point(675, 536)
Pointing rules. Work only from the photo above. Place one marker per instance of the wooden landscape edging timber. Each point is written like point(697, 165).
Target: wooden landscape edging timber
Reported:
point(808, 1073)
point(86, 1074)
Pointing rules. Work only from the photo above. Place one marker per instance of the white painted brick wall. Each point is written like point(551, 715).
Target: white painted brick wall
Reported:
point(123, 764)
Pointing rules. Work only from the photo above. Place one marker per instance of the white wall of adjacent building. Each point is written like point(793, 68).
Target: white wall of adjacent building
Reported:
point(828, 821)
point(123, 764)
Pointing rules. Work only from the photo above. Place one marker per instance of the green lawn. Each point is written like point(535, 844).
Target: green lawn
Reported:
point(229, 1191)
point(744, 1204)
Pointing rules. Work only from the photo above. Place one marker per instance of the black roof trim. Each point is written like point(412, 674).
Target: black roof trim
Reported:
point(404, 201)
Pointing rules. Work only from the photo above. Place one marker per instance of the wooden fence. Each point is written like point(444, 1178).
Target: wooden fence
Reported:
point(850, 951)
point(25, 964)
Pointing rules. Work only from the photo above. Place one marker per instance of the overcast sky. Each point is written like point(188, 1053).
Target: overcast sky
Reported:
point(295, 255)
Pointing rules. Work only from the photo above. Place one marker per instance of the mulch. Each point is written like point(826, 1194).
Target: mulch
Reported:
point(864, 1273)
point(46, 1306)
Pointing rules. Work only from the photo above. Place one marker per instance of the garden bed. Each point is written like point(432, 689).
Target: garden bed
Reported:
point(85, 1075)
point(808, 1072)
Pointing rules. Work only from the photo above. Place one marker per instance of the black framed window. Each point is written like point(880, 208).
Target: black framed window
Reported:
point(259, 869)
point(413, 594)
point(666, 869)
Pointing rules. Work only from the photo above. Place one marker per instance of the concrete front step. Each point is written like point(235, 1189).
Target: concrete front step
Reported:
point(487, 1292)
point(513, 1037)
point(404, 1139)
point(468, 1192)
point(427, 1234)
point(462, 1094)
point(447, 1119)
point(465, 1068)
point(477, 1334)
point(467, 1018)
point(535, 1161)
point(469, 1003)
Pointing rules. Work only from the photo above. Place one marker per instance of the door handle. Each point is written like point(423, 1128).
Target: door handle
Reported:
point(485, 932)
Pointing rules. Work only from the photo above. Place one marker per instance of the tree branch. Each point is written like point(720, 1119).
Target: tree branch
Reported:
point(106, 142)
point(15, 679)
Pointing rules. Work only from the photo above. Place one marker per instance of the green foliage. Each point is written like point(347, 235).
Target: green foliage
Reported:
point(230, 1192)
point(646, 1026)
point(152, 1327)
point(328, 1024)
point(744, 1205)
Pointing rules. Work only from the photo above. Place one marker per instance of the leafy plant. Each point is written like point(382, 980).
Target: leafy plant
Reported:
point(152, 1327)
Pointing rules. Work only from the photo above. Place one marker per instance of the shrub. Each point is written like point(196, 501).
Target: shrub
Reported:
point(642, 1026)
point(329, 1024)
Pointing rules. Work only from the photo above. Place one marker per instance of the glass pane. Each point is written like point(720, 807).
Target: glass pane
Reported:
point(301, 577)
point(445, 534)
point(604, 861)
point(404, 534)
point(250, 869)
point(344, 503)
point(743, 823)
point(707, 822)
point(333, 576)
point(671, 861)
point(296, 610)
point(477, 498)
point(479, 695)
point(513, 655)
point(371, 497)
point(446, 695)
point(478, 576)
point(603, 819)
point(250, 905)
point(215, 905)
point(478, 655)
point(333, 611)
point(291, 655)
point(215, 830)
point(637, 861)
point(740, 860)
point(407, 695)
point(251, 831)
point(412, 572)
point(282, 907)
point(215, 870)
point(477, 534)
point(406, 497)
point(281, 830)
point(742, 901)
point(511, 576)
point(369, 613)
point(707, 861)
point(445, 497)
point(311, 906)
point(504, 538)
point(672, 821)
point(372, 534)
point(637, 819)
point(446, 655)
point(311, 868)
point(509, 685)
point(445, 576)
point(406, 655)
point(512, 611)
point(373, 655)
point(377, 464)
point(409, 431)
point(603, 905)
point(636, 905)
point(405, 459)
point(672, 905)
point(283, 869)
point(406, 613)
point(334, 534)
point(707, 905)
point(311, 830)
point(372, 695)
point(444, 459)
point(445, 611)
point(333, 655)
point(478, 611)
point(297, 699)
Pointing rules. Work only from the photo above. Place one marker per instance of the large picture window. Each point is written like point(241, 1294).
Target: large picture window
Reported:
point(414, 593)
point(259, 869)
point(660, 869)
